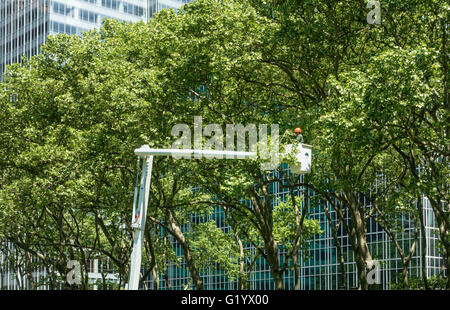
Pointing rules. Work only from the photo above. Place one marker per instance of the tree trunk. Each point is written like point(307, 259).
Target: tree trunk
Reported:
point(29, 271)
point(444, 230)
point(338, 248)
point(405, 274)
point(195, 275)
point(166, 278)
point(424, 244)
point(155, 275)
point(274, 262)
point(242, 279)
point(265, 212)
point(178, 234)
point(362, 253)
point(296, 272)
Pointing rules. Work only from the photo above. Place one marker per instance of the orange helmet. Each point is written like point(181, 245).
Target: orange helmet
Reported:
point(298, 130)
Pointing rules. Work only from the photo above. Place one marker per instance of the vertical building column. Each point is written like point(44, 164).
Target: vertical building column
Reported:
point(37, 25)
point(10, 13)
point(3, 35)
point(45, 11)
point(15, 33)
point(30, 26)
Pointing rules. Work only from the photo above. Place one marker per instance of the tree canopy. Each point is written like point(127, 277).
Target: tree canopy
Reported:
point(371, 99)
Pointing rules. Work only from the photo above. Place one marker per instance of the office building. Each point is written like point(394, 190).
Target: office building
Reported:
point(25, 24)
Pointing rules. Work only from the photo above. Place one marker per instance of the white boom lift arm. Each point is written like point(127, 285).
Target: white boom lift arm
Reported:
point(141, 193)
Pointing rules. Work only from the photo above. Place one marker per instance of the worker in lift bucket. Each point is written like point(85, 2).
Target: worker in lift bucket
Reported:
point(298, 134)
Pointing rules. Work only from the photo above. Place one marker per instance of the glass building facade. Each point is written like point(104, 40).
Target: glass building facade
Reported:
point(25, 24)
point(321, 271)
point(15, 275)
